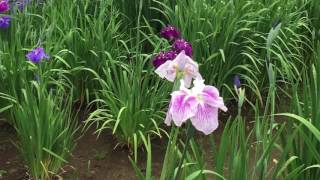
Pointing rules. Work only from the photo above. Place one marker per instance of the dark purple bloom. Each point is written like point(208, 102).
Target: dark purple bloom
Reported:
point(236, 81)
point(4, 6)
point(21, 4)
point(36, 55)
point(170, 32)
point(5, 21)
point(162, 57)
point(182, 45)
point(170, 55)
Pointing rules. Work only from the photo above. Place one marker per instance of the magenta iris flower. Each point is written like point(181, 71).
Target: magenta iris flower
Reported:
point(181, 67)
point(4, 6)
point(163, 57)
point(170, 33)
point(5, 21)
point(182, 45)
point(36, 55)
point(199, 104)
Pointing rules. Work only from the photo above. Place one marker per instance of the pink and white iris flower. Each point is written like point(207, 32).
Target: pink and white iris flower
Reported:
point(181, 67)
point(199, 104)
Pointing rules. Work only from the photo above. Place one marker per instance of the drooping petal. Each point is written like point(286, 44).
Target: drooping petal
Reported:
point(182, 107)
point(211, 96)
point(168, 119)
point(205, 119)
point(167, 71)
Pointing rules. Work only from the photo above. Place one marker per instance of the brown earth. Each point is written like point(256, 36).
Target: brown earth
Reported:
point(92, 159)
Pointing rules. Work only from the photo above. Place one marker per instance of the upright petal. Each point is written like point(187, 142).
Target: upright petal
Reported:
point(185, 63)
point(198, 87)
point(167, 71)
point(205, 119)
point(182, 107)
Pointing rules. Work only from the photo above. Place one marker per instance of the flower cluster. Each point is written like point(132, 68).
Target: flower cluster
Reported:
point(4, 19)
point(173, 35)
point(4, 11)
point(201, 103)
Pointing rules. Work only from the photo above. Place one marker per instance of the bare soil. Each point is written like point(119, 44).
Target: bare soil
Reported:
point(92, 159)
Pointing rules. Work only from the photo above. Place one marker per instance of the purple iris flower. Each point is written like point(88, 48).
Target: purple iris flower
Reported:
point(170, 33)
point(5, 21)
point(36, 55)
point(182, 45)
point(21, 4)
point(162, 57)
point(4, 6)
point(236, 81)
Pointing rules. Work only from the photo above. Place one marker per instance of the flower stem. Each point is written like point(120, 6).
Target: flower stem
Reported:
point(190, 133)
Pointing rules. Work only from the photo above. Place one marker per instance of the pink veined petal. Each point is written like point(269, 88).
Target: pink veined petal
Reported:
point(211, 96)
point(212, 91)
point(167, 71)
point(205, 119)
point(182, 107)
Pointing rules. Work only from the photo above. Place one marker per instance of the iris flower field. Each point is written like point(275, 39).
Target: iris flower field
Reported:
point(159, 89)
